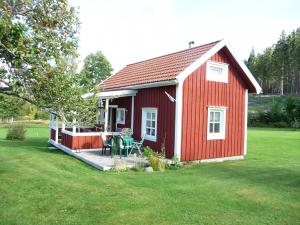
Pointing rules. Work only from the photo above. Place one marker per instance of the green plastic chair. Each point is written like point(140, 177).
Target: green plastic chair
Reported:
point(117, 145)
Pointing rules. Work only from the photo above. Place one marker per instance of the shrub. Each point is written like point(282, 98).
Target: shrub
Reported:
point(16, 132)
point(156, 160)
point(174, 164)
point(295, 124)
point(280, 124)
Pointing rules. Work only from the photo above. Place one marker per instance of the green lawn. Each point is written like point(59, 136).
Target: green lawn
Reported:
point(41, 186)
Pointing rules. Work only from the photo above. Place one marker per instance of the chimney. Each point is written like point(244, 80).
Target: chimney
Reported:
point(191, 43)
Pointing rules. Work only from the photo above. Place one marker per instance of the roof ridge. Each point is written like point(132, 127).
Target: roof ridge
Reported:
point(175, 52)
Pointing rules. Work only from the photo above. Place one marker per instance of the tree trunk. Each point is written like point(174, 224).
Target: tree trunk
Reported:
point(281, 86)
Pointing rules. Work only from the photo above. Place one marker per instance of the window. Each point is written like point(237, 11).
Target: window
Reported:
point(216, 71)
point(101, 116)
point(149, 123)
point(121, 116)
point(216, 123)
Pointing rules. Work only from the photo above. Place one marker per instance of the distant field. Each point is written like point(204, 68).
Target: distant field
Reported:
point(28, 123)
point(264, 102)
point(42, 186)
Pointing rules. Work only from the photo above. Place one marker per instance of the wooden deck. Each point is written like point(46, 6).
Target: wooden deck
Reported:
point(95, 159)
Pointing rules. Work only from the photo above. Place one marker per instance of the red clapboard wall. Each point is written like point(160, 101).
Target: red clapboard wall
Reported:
point(81, 142)
point(156, 97)
point(52, 134)
point(198, 94)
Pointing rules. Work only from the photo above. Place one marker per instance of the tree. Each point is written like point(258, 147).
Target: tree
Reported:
point(278, 67)
point(96, 68)
point(38, 48)
point(10, 107)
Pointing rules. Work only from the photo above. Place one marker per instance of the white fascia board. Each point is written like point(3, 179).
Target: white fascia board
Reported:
point(117, 93)
point(245, 69)
point(195, 65)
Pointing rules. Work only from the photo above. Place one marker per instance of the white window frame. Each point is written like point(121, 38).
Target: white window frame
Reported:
point(212, 76)
point(221, 134)
point(120, 110)
point(144, 116)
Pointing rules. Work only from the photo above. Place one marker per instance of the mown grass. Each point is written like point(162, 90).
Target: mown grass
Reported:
point(41, 186)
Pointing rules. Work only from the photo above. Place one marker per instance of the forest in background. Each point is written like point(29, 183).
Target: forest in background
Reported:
point(277, 68)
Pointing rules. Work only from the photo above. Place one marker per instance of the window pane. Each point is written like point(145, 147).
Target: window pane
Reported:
point(217, 116)
point(153, 124)
point(148, 123)
point(211, 117)
point(211, 127)
point(153, 116)
point(148, 116)
point(148, 131)
point(152, 132)
point(217, 128)
point(216, 70)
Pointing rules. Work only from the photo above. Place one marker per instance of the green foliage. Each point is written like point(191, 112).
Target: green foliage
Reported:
point(175, 164)
point(278, 66)
point(16, 132)
point(282, 113)
point(96, 68)
point(38, 46)
point(156, 160)
point(10, 106)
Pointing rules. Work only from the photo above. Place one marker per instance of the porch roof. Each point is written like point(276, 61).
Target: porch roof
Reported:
point(112, 94)
point(116, 94)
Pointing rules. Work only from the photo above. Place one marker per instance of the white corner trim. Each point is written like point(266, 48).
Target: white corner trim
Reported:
point(178, 120)
point(238, 157)
point(246, 122)
point(132, 112)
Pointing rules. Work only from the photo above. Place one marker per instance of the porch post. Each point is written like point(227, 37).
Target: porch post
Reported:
point(74, 126)
point(106, 114)
point(56, 129)
point(50, 126)
point(63, 125)
point(50, 123)
point(132, 112)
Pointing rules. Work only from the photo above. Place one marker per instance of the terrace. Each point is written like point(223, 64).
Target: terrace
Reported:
point(86, 142)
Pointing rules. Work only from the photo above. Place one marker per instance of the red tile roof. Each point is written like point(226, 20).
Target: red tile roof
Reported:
point(163, 68)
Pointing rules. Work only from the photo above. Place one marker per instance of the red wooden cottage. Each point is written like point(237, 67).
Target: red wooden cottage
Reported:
point(193, 101)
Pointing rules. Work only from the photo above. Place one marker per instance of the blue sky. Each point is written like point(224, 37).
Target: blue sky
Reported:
point(127, 31)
